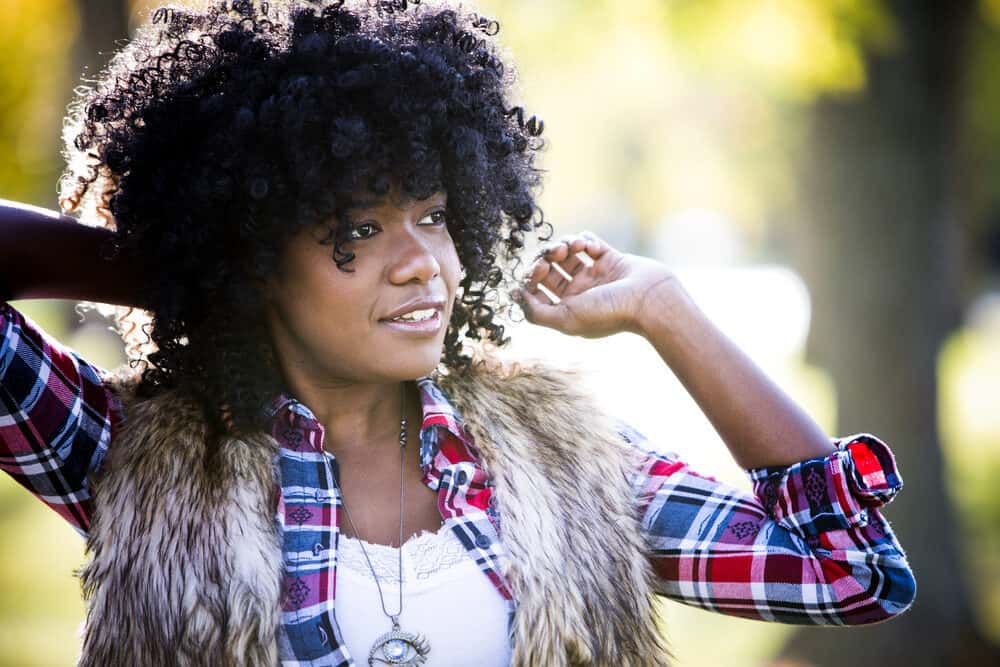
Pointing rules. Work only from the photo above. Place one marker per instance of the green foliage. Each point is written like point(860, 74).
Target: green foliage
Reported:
point(969, 368)
point(40, 605)
point(35, 42)
point(797, 49)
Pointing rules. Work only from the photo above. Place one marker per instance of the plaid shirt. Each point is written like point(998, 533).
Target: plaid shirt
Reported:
point(808, 546)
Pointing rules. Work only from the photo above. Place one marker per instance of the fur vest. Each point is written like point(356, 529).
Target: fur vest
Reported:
point(186, 562)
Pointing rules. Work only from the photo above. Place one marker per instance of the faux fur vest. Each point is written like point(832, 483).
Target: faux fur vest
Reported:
point(186, 559)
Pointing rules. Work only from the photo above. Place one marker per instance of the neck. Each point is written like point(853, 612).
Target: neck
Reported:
point(359, 417)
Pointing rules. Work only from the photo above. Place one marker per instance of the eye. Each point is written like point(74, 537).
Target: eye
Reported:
point(365, 230)
point(438, 218)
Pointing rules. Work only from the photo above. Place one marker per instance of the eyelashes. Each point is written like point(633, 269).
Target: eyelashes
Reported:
point(354, 236)
point(354, 228)
point(440, 212)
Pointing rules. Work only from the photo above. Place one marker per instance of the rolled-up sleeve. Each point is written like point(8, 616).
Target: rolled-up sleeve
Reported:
point(808, 545)
point(822, 494)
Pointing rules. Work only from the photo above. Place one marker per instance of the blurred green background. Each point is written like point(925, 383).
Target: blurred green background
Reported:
point(824, 175)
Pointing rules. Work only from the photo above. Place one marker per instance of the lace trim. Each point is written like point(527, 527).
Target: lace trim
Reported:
point(424, 556)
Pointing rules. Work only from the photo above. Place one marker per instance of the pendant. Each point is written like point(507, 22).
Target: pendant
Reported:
point(399, 648)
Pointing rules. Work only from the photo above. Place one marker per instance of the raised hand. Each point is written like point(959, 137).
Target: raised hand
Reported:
point(605, 292)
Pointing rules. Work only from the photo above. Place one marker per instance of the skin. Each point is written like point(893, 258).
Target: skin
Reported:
point(611, 292)
point(334, 338)
point(339, 359)
point(44, 255)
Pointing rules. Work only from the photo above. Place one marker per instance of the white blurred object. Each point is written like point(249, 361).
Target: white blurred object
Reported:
point(764, 309)
point(697, 237)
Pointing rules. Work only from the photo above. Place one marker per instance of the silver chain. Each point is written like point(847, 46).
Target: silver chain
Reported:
point(361, 542)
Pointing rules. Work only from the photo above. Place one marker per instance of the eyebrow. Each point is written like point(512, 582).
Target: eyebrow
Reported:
point(361, 204)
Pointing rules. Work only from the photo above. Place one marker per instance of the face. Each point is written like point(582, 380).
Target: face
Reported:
point(383, 322)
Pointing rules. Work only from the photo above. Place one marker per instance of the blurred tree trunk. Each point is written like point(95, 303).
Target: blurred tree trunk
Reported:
point(879, 251)
point(102, 24)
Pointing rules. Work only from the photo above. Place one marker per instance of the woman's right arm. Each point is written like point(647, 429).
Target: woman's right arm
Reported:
point(57, 416)
point(45, 255)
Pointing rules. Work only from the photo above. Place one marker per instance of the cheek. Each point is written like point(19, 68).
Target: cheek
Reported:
point(313, 289)
point(455, 269)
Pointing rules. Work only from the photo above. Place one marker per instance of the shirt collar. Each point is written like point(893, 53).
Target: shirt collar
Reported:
point(438, 414)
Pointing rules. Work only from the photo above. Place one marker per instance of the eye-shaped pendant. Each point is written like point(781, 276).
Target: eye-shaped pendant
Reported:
point(399, 648)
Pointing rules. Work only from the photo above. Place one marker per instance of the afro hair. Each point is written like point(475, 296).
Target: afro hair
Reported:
point(216, 134)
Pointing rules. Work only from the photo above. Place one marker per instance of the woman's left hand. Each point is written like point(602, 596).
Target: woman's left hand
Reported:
point(605, 296)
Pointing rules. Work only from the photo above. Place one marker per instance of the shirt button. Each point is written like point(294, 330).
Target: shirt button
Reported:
point(463, 477)
point(318, 495)
point(317, 548)
point(483, 541)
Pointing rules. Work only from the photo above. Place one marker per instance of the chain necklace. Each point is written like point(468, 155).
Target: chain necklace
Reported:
point(395, 647)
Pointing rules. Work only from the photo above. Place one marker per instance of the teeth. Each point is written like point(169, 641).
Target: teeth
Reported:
point(417, 315)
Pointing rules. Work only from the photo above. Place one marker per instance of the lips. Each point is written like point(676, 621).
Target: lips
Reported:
point(418, 315)
point(424, 327)
point(419, 304)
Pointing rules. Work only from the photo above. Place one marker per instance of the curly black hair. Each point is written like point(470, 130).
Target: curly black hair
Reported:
point(214, 135)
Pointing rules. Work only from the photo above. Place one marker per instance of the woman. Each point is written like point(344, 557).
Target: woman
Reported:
point(320, 205)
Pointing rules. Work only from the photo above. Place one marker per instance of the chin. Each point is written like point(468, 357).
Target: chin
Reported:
point(413, 365)
point(413, 371)
point(429, 365)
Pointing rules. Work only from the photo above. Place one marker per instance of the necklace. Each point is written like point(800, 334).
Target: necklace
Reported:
point(395, 647)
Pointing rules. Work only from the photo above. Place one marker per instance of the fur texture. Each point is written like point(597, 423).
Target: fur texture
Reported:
point(186, 559)
point(577, 568)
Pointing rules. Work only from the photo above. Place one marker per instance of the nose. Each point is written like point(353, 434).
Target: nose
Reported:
point(413, 260)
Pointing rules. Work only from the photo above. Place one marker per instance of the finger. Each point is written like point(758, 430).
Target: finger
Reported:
point(539, 310)
point(596, 246)
point(567, 245)
point(563, 249)
point(565, 257)
point(556, 278)
point(545, 274)
point(539, 271)
point(557, 263)
point(535, 284)
point(550, 274)
point(547, 277)
point(576, 258)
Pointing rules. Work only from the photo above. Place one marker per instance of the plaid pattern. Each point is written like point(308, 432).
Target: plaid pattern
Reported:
point(56, 418)
point(808, 546)
point(309, 514)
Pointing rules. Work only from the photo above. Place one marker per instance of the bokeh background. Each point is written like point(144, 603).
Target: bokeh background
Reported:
point(824, 175)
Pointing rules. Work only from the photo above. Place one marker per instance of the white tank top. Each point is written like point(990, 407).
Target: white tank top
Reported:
point(446, 598)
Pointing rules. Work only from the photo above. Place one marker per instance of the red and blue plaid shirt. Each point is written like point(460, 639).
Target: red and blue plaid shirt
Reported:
point(808, 546)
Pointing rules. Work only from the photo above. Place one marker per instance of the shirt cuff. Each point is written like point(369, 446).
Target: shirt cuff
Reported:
point(832, 492)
